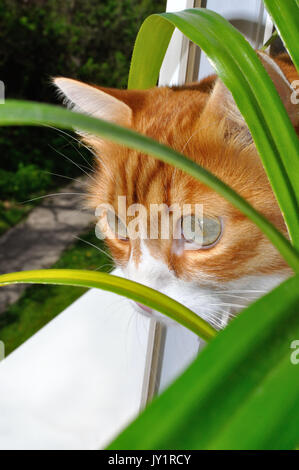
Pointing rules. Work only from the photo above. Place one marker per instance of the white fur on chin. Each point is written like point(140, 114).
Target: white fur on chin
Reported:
point(216, 303)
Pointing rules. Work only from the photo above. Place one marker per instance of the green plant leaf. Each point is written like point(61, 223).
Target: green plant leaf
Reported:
point(270, 41)
point(28, 113)
point(242, 72)
point(240, 393)
point(119, 285)
point(285, 15)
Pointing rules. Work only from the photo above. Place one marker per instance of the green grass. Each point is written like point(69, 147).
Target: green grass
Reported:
point(11, 213)
point(40, 303)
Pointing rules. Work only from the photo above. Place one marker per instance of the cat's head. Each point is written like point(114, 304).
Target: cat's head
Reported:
point(230, 262)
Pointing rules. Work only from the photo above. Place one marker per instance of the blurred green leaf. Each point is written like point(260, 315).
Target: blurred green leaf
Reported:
point(26, 113)
point(121, 286)
point(242, 72)
point(285, 15)
point(240, 393)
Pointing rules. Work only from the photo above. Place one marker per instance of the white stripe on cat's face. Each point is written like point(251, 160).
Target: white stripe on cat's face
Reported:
point(217, 303)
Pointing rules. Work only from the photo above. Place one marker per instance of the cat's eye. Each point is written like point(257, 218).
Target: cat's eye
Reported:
point(117, 226)
point(201, 232)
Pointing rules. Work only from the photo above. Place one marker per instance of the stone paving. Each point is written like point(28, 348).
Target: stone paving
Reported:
point(38, 241)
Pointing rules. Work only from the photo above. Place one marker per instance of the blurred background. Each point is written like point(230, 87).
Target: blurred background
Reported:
point(91, 40)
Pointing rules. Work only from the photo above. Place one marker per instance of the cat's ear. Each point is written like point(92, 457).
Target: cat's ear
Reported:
point(282, 85)
point(222, 104)
point(93, 101)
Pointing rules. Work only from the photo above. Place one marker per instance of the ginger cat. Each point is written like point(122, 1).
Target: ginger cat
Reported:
point(233, 263)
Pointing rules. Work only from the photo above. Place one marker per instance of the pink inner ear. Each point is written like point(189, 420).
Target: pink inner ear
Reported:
point(90, 100)
point(282, 85)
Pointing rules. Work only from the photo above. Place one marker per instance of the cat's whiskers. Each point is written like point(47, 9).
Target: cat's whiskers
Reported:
point(184, 146)
point(192, 135)
point(229, 295)
point(80, 153)
point(111, 266)
point(61, 176)
point(94, 154)
point(51, 195)
point(241, 291)
point(74, 163)
point(70, 143)
point(112, 177)
point(224, 304)
point(87, 168)
point(62, 132)
point(188, 140)
point(95, 246)
point(216, 323)
point(237, 296)
point(213, 316)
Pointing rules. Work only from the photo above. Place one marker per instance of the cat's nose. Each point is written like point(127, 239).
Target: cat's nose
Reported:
point(144, 307)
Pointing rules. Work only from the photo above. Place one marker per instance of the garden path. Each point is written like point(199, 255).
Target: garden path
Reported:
point(38, 241)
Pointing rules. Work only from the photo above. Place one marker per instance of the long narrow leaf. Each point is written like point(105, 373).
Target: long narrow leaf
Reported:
point(285, 15)
point(240, 393)
point(240, 69)
point(26, 113)
point(119, 285)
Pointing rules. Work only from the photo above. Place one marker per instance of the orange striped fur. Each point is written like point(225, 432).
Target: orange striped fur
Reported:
point(197, 120)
